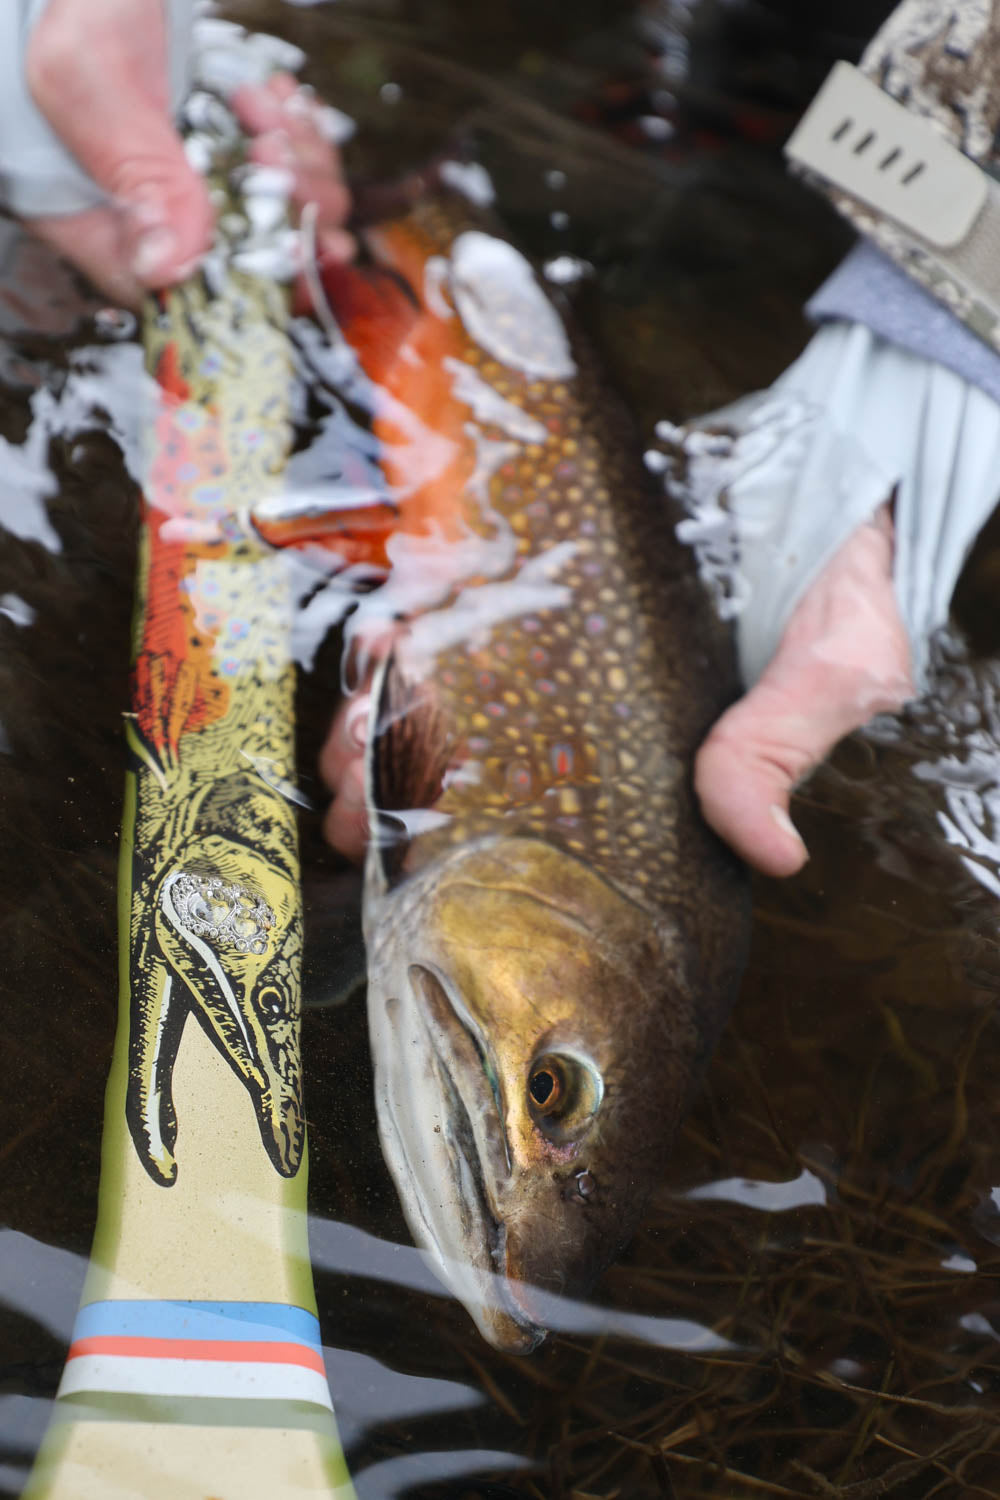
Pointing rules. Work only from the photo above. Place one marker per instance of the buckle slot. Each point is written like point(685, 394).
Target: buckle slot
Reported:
point(863, 142)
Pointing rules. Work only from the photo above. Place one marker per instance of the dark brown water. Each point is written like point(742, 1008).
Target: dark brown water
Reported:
point(813, 1307)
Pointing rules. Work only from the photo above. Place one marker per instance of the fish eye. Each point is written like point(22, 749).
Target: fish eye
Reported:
point(547, 1085)
point(564, 1094)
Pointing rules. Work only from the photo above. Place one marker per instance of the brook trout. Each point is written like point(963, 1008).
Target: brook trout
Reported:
point(554, 936)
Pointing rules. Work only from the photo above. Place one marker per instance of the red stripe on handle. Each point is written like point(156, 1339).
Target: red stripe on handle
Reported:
point(237, 1352)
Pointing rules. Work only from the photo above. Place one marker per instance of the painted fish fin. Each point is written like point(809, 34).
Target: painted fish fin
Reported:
point(411, 747)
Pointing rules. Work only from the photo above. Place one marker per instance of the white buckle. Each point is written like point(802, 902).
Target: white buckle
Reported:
point(860, 140)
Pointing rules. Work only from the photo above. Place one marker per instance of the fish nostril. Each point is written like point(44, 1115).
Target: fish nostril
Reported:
point(584, 1187)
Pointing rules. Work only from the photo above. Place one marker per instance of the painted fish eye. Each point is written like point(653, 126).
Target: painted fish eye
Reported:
point(564, 1094)
point(271, 1002)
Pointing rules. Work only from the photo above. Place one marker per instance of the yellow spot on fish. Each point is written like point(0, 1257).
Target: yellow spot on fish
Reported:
point(617, 680)
point(569, 801)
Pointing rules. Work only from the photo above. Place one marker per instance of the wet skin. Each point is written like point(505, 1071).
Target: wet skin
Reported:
point(824, 681)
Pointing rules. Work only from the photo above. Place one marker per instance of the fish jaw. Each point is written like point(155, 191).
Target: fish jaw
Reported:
point(246, 998)
point(437, 1127)
point(489, 958)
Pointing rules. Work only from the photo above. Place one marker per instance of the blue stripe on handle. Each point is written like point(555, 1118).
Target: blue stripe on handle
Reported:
point(247, 1321)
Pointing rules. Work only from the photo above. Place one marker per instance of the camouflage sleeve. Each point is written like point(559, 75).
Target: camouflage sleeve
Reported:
point(940, 59)
point(37, 173)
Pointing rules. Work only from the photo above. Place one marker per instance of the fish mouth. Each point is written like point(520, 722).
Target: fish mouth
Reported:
point(441, 1122)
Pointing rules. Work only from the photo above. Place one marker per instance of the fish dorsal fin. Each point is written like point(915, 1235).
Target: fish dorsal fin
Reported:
point(411, 747)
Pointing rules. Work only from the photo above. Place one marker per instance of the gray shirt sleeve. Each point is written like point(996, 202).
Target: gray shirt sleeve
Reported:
point(38, 175)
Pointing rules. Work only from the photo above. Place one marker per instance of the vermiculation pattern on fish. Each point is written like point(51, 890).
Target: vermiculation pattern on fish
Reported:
point(570, 713)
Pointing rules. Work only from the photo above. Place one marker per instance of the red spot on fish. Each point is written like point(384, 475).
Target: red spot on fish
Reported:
point(519, 779)
point(487, 681)
point(562, 759)
point(168, 374)
point(495, 710)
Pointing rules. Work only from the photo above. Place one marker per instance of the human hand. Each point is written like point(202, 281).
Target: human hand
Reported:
point(844, 656)
point(97, 69)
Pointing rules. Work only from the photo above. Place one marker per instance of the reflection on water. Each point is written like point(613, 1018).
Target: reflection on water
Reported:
point(811, 1306)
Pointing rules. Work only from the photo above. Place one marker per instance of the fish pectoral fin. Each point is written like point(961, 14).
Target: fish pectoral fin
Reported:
point(376, 309)
point(412, 746)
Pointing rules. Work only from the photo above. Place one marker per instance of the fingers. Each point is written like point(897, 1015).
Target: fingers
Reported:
point(342, 766)
point(98, 73)
point(844, 657)
point(286, 123)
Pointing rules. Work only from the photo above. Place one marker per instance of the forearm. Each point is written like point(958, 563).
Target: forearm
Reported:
point(38, 174)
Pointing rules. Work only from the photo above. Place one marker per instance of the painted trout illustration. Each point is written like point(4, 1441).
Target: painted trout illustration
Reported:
point(554, 936)
point(210, 864)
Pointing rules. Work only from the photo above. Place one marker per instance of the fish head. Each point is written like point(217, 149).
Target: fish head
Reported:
point(534, 1043)
point(229, 925)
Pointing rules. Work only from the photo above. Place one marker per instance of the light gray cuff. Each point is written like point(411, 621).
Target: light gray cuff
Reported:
point(38, 175)
point(776, 485)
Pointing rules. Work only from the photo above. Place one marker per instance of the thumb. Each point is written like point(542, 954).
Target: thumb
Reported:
point(844, 656)
point(98, 72)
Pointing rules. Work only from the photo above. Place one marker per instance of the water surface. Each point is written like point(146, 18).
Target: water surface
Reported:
point(812, 1307)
